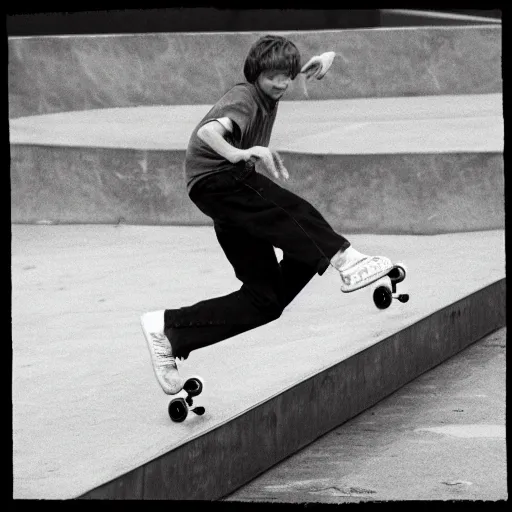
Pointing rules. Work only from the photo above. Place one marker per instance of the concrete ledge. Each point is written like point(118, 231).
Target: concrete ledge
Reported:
point(393, 165)
point(141, 69)
point(226, 457)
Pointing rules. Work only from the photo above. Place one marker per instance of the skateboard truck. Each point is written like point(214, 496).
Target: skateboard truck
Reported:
point(179, 407)
point(384, 294)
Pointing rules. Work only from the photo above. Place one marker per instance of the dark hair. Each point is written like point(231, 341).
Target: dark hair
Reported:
point(271, 53)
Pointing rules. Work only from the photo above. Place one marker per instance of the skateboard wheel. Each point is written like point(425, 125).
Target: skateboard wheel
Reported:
point(199, 410)
point(178, 410)
point(382, 297)
point(193, 386)
point(397, 274)
point(404, 297)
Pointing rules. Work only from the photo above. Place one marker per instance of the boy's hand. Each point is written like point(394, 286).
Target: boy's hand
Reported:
point(317, 66)
point(270, 160)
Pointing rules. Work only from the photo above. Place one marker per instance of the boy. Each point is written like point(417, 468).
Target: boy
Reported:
point(251, 215)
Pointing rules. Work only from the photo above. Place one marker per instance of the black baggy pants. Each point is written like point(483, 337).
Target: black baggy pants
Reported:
point(251, 215)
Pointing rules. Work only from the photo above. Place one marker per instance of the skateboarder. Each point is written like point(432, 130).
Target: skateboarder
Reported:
point(251, 215)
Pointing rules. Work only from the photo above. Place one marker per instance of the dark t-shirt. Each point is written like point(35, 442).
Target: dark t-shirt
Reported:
point(253, 116)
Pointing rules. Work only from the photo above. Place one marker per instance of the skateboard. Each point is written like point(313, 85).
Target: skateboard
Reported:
point(385, 288)
point(179, 407)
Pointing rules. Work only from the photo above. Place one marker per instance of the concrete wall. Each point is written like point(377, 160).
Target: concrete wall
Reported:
point(406, 194)
point(57, 74)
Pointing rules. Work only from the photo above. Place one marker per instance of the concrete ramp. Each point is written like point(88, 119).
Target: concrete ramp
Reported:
point(89, 419)
point(420, 165)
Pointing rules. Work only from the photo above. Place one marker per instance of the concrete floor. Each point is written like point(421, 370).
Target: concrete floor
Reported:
point(86, 406)
point(441, 437)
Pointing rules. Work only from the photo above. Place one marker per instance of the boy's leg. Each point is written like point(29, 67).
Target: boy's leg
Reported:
point(295, 275)
point(272, 213)
point(261, 215)
point(294, 225)
point(257, 302)
point(267, 290)
point(287, 221)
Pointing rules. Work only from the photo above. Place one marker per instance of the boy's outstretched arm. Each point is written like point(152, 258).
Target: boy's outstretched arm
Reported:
point(317, 66)
point(213, 134)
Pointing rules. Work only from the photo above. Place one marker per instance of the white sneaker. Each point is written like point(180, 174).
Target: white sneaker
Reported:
point(364, 272)
point(164, 364)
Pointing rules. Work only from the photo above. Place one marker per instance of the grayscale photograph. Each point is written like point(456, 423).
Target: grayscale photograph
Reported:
point(257, 255)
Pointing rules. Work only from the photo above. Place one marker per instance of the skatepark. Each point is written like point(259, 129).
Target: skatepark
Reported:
point(401, 149)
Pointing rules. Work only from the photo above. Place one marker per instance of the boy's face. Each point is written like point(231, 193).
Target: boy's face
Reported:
point(274, 83)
